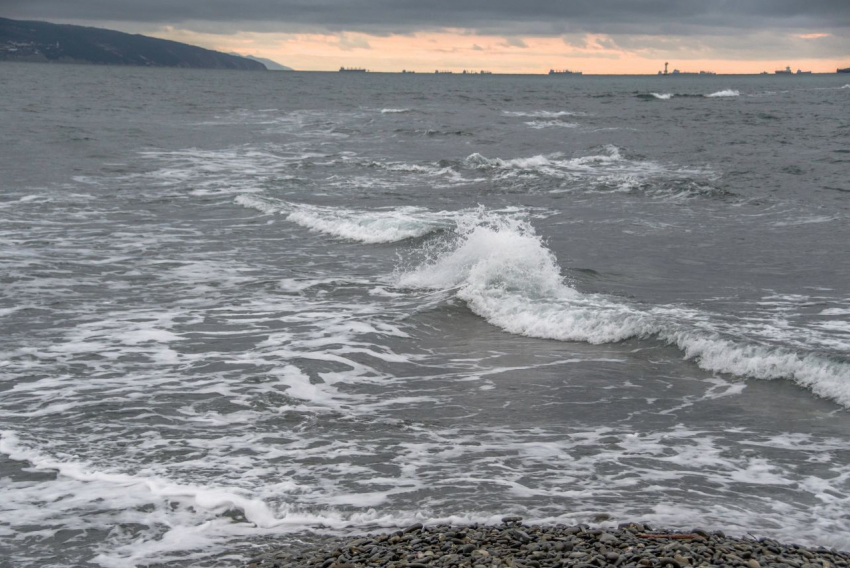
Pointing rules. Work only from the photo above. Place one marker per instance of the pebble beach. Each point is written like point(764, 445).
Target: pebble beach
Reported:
point(515, 545)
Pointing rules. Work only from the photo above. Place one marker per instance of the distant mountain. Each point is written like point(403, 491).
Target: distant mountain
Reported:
point(270, 65)
point(57, 43)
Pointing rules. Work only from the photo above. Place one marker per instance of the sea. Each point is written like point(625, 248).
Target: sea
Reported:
point(241, 309)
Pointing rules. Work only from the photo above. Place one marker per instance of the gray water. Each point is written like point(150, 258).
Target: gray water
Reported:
point(246, 307)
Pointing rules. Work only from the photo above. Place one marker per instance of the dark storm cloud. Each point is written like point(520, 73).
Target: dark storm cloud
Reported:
point(529, 17)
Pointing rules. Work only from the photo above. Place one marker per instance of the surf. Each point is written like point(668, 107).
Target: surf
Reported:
point(505, 274)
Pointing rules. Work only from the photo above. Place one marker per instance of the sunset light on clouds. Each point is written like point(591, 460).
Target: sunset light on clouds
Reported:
point(458, 50)
point(616, 37)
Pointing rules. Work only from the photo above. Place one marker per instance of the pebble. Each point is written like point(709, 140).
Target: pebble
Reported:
point(507, 545)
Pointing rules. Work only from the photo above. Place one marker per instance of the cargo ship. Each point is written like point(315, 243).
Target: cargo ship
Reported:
point(787, 71)
point(845, 70)
point(563, 72)
point(351, 70)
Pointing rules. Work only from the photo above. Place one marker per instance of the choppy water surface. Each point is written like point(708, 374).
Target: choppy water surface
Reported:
point(237, 306)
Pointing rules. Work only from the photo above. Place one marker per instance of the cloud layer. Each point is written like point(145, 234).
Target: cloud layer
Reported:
point(512, 17)
point(516, 35)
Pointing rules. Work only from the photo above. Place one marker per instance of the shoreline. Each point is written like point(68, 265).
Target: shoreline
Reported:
point(517, 545)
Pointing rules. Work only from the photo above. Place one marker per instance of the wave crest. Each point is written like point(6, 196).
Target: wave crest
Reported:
point(725, 93)
point(505, 274)
point(371, 227)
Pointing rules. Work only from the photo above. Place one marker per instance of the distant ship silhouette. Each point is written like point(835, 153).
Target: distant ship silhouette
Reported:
point(351, 70)
point(563, 72)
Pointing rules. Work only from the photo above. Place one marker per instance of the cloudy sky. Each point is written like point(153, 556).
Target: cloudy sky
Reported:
point(525, 36)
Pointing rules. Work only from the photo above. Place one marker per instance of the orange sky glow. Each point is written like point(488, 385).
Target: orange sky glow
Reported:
point(457, 50)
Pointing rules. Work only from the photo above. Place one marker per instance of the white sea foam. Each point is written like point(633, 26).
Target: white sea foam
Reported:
point(846, 87)
point(539, 124)
point(662, 96)
point(725, 93)
point(607, 170)
point(505, 274)
point(394, 110)
point(541, 113)
point(377, 226)
point(386, 225)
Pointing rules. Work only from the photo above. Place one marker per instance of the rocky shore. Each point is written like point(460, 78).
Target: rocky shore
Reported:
point(513, 544)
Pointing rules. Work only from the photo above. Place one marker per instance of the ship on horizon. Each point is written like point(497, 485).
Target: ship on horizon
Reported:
point(564, 72)
point(787, 71)
point(845, 70)
point(351, 70)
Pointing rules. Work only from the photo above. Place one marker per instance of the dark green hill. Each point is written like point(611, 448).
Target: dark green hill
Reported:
point(58, 43)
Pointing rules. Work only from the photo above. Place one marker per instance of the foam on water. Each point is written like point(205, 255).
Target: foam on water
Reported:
point(505, 274)
point(541, 113)
point(608, 170)
point(548, 476)
point(725, 93)
point(539, 124)
point(662, 96)
point(386, 225)
point(379, 226)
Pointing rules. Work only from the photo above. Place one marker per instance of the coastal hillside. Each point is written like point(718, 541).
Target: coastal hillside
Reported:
point(58, 43)
point(270, 65)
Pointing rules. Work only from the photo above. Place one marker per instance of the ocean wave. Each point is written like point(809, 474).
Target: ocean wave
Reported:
point(725, 93)
point(668, 96)
point(505, 274)
point(376, 226)
point(371, 227)
point(395, 110)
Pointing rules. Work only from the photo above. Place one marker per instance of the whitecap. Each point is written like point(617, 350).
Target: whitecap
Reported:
point(371, 227)
point(387, 225)
point(505, 274)
point(662, 96)
point(725, 93)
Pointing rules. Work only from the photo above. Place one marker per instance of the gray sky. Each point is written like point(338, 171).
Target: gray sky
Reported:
point(538, 17)
point(689, 29)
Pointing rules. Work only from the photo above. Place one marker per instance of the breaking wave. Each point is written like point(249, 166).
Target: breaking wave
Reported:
point(394, 110)
point(388, 225)
point(505, 274)
point(668, 96)
point(725, 93)
point(371, 227)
